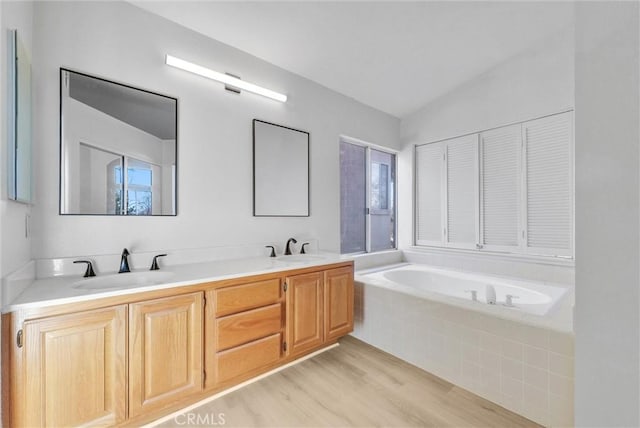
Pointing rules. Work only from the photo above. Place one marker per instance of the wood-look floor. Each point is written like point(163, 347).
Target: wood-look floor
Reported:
point(353, 385)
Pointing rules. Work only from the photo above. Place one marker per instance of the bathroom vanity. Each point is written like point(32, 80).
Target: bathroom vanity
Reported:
point(127, 358)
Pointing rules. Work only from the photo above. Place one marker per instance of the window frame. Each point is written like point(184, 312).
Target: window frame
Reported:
point(394, 213)
point(522, 249)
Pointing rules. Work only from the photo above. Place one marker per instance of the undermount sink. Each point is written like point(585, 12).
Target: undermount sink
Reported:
point(123, 280)
point(300, 258)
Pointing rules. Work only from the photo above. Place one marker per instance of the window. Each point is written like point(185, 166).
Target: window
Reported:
point(139, 186)
point(367, 199)
point(509, 189)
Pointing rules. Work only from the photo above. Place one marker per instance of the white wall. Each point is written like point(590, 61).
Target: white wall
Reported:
point(607, 214)
point(15, 247)
point(536, 82)
point(121, 42)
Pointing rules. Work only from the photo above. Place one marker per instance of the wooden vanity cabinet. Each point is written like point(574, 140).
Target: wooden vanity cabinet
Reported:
point(126, 360)
point(319, 308)
point(245, 331)
point(75, 370)
point(305, 306)
point(338, 303)
point(165, 351)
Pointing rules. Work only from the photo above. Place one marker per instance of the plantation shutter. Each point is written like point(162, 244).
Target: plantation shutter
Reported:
point(500, 187)
point(549, 184)
point(462, 191)
point(429, 183)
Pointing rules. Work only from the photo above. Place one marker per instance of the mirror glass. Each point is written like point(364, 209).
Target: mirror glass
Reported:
point(19, 120)
point(280, 171)
point(118, 148)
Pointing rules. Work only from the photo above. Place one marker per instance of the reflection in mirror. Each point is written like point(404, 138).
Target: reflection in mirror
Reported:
point(19, 120)
point(280, 171)
point(118, 148)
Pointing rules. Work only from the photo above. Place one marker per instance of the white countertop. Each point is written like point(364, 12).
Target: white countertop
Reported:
point(68, 289)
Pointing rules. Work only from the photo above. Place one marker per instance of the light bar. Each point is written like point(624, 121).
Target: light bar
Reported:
point(224, 78)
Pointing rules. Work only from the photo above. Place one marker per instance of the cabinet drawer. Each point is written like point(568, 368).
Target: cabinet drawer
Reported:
point(247, 296)
point(243, 359)
point(234, 330)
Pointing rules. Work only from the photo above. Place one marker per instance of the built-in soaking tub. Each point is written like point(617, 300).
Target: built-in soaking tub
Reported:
point(519, 356)
point(526, 296)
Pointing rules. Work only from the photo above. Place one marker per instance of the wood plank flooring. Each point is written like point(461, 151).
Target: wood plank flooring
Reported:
point(353, 385)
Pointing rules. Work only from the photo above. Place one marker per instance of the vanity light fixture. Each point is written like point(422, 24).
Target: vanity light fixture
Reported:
point(224, 78)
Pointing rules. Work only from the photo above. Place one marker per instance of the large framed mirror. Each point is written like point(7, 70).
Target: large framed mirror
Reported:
point(118, 148)
point(18, 120)
point(280, 171)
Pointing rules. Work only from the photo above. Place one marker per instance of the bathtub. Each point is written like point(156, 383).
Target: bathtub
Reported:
point(520, 356)
point(527, 296)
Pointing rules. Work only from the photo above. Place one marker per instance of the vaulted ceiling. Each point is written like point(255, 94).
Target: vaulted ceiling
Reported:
point(393, 56)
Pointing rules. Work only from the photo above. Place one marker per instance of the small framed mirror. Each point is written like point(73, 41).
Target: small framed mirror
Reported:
point(18, 120)
point(118, 148)
point(280, 171)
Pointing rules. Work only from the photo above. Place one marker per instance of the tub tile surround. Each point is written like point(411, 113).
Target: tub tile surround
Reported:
point(524, 368)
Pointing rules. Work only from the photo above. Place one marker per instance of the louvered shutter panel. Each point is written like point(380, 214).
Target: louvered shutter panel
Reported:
point(549, 183)
point(462, 190)
point(500, 187)
point(429, 171)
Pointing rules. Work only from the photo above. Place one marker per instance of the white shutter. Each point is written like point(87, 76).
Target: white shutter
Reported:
point(429, 171)
point(462, 191)
point(549, 185)
point(500, 187)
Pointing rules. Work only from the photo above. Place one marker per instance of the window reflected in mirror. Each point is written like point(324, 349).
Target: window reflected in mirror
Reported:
point(118, 148)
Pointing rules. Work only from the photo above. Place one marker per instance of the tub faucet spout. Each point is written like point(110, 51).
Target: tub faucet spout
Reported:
point(490, 294)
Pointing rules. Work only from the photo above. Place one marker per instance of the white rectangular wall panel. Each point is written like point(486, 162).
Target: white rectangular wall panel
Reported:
point(462, 190)
point(549, 181)
point(429, 183)
point(500, 188)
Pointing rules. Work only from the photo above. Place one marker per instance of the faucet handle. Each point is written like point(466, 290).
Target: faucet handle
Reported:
point(154, 263)
point(509, 300)
point(273, 250)
point(89, 272)
point(302, 251)
point(474, 294)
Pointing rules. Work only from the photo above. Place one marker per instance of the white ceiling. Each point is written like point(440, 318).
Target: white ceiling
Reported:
point(393, 56)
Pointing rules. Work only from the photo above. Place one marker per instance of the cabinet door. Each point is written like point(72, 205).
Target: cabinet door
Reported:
point(165, 351)
point(75, 368)
point(304, 312)
point(338, 303)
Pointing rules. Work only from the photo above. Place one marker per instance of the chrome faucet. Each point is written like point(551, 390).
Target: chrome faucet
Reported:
point(124, 262)
point(287, 251)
